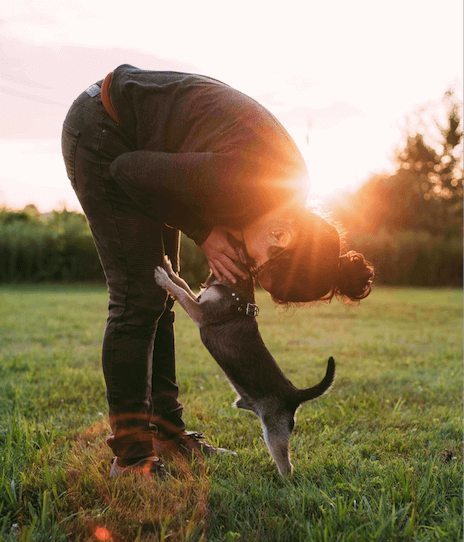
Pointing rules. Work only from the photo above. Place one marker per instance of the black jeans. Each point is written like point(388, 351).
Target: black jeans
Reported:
point(138, 346)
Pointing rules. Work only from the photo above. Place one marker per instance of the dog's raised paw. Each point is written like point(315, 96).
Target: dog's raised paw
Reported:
point(168, 266)
point(161, 277)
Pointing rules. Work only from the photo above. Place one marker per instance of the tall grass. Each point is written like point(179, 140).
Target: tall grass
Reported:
point(379, 458)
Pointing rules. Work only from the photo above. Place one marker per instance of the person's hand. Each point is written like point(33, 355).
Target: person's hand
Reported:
point(221, 255)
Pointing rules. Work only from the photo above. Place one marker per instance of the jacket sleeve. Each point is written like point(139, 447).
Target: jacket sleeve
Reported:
point(157, 184)
point(213, 188)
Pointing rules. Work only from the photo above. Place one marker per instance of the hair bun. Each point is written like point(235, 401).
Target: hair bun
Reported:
point(354, 276)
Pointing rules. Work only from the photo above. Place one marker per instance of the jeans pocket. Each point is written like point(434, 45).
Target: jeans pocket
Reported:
point(69, 138)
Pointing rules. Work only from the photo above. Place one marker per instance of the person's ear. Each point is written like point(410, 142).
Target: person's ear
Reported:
point(280, 237)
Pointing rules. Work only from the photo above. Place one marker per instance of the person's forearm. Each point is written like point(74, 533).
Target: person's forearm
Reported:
point(146, 180)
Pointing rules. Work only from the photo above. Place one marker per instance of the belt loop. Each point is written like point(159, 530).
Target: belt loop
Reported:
point(93, 90)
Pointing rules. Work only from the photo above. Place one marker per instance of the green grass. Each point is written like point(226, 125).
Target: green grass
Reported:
point(378, 458)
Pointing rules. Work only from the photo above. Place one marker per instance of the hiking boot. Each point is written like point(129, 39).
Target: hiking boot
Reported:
point(186, 443)
point(149, 468)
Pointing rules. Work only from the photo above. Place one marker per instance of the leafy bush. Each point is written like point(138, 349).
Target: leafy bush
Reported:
point(193, 265)
point(59, 248)
point(56, 248)
point(413, 258)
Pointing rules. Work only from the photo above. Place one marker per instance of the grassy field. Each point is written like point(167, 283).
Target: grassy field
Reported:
point(378, 458)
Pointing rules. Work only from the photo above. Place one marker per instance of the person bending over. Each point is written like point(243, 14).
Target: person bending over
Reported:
point(153, 153)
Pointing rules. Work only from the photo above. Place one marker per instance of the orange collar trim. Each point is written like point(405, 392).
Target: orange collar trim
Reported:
point(106, 98)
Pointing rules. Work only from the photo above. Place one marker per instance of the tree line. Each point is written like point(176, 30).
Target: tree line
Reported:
point(58, 247)
point(408, 224)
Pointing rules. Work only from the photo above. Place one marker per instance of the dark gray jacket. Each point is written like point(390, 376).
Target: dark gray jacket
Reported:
point(204, 147)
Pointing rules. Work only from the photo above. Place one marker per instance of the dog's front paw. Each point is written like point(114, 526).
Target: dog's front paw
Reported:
point(161, 277)
point(168, 267)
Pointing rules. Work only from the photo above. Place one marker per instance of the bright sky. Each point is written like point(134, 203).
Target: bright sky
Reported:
point(341, 76)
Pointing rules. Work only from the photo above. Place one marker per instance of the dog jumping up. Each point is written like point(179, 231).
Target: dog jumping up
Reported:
point(225, 314)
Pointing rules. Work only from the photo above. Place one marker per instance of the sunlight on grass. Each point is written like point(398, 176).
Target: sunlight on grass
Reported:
point(378, 458)
point(130, 504)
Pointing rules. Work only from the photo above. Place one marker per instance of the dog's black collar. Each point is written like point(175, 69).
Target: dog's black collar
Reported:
point(238, 307)
point(245, 308)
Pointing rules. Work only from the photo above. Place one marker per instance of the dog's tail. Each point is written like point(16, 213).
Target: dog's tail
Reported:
point(319, 389)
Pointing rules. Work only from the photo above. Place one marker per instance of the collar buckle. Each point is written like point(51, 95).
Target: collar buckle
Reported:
point(250, 309)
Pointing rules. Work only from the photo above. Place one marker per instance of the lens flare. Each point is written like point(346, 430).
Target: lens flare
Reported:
point(102, 534)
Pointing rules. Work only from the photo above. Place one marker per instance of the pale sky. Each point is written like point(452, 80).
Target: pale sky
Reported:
point(342, 77)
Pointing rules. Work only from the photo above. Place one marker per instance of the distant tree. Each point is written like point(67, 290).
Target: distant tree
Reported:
point(431, 169)
point(32, 211)
point(367, 210)
point(426, 191)
point(28, 214)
